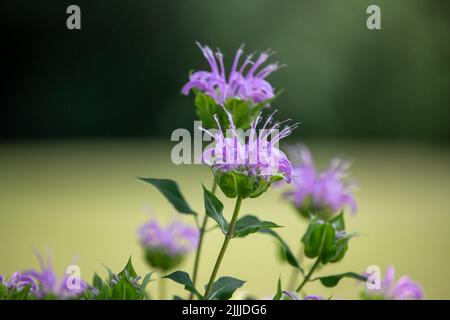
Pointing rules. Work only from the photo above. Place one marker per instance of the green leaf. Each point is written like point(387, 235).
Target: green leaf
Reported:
point(290, 258)
point(206, 108)
point(125, 290)
point(333, 280)
point(338, 222)
point(224, 288)
point(214, 208)
point(128, 270)
point(22, 294)
point(97, 282)
point(145, 282)
point(183, 278)
point(3, 291)
point(319, 239)
point(170, 190)
point(341, 247)
point(250, 224)
point(279, 292)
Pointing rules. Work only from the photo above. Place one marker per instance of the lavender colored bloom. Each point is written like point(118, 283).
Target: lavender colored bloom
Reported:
point(313, 297)
point(18, 281)
point(325, 192)
point(241, 83)
point(292, 296)
point(257, 156)
point(175, 239)
point(48, 283)
point(403, 289)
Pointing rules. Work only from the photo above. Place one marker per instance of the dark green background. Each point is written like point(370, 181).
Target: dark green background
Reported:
point(121, 74)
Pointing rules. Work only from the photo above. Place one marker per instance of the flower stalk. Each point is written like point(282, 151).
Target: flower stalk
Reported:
point(227, 239)
point(199, 246)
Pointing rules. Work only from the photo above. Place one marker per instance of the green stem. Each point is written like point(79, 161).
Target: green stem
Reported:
point(308, 276)
point(199, 246)
point(162, 289)
point(228, 237)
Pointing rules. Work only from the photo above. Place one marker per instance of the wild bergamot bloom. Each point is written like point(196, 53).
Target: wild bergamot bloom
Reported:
point(323, 193)
point(166, 247)
point(403, 289)
point(48, 285)
point(246, 164)
point(244, 81)
point(16, 283)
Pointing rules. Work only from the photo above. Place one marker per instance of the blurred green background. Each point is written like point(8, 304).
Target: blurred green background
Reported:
point(85, 112)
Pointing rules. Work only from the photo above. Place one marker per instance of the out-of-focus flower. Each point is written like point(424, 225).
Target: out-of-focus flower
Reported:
point(403, 289)
point(289, 295)
point(246, 164)
point(242, 82)
point(323, 193)
point(165, 247)
point(313, 297)
point(19, 281)
point(48, 284)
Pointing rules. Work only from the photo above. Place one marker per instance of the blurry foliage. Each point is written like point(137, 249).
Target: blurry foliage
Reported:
point(121, 74)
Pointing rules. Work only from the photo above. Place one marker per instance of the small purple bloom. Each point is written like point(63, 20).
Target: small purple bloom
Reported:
point(175, 239)
point(244, 81)
point(313, 297)
point(403, 289)
point(325, 192)
point(292, 296)
point(18, 281)
point(48, 283)
point(255, 154)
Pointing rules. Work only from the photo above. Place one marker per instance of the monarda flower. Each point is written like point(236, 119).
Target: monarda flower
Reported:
point(247, 164)
point(403, 289)
point(166, 247)
point(244, 82)
point(48, 285)
point(17, 282)
point(321, 193)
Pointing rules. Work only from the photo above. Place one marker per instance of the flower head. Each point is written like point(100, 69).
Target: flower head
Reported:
point(18, 281)
point(323, 193)
point(247, 164)
point(289, 295)
point(165, 247)
point(245, 81)
point(403, 289)
point(48, 283)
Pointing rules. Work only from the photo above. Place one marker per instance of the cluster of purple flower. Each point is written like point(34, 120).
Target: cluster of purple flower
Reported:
point(242, 82)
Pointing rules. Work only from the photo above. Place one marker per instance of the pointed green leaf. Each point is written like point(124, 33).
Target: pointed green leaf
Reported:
point(338, 222)
point(170, 190)
point(224, 288)
point(125, 290)
point(250, 224)
point(333, 280)
point(290, 258)
point(128, 270)
point(183, 278)
point(214, 208)
point(279, 292)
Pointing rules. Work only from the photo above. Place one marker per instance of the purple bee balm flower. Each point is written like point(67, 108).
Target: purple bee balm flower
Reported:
point(313, 297)
point(292, 296)
point(244, 82)
point(324, 193)
point(257, 155)
point(48, 283)
point(175, 239)
point(19, 281)
point(403, 289)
